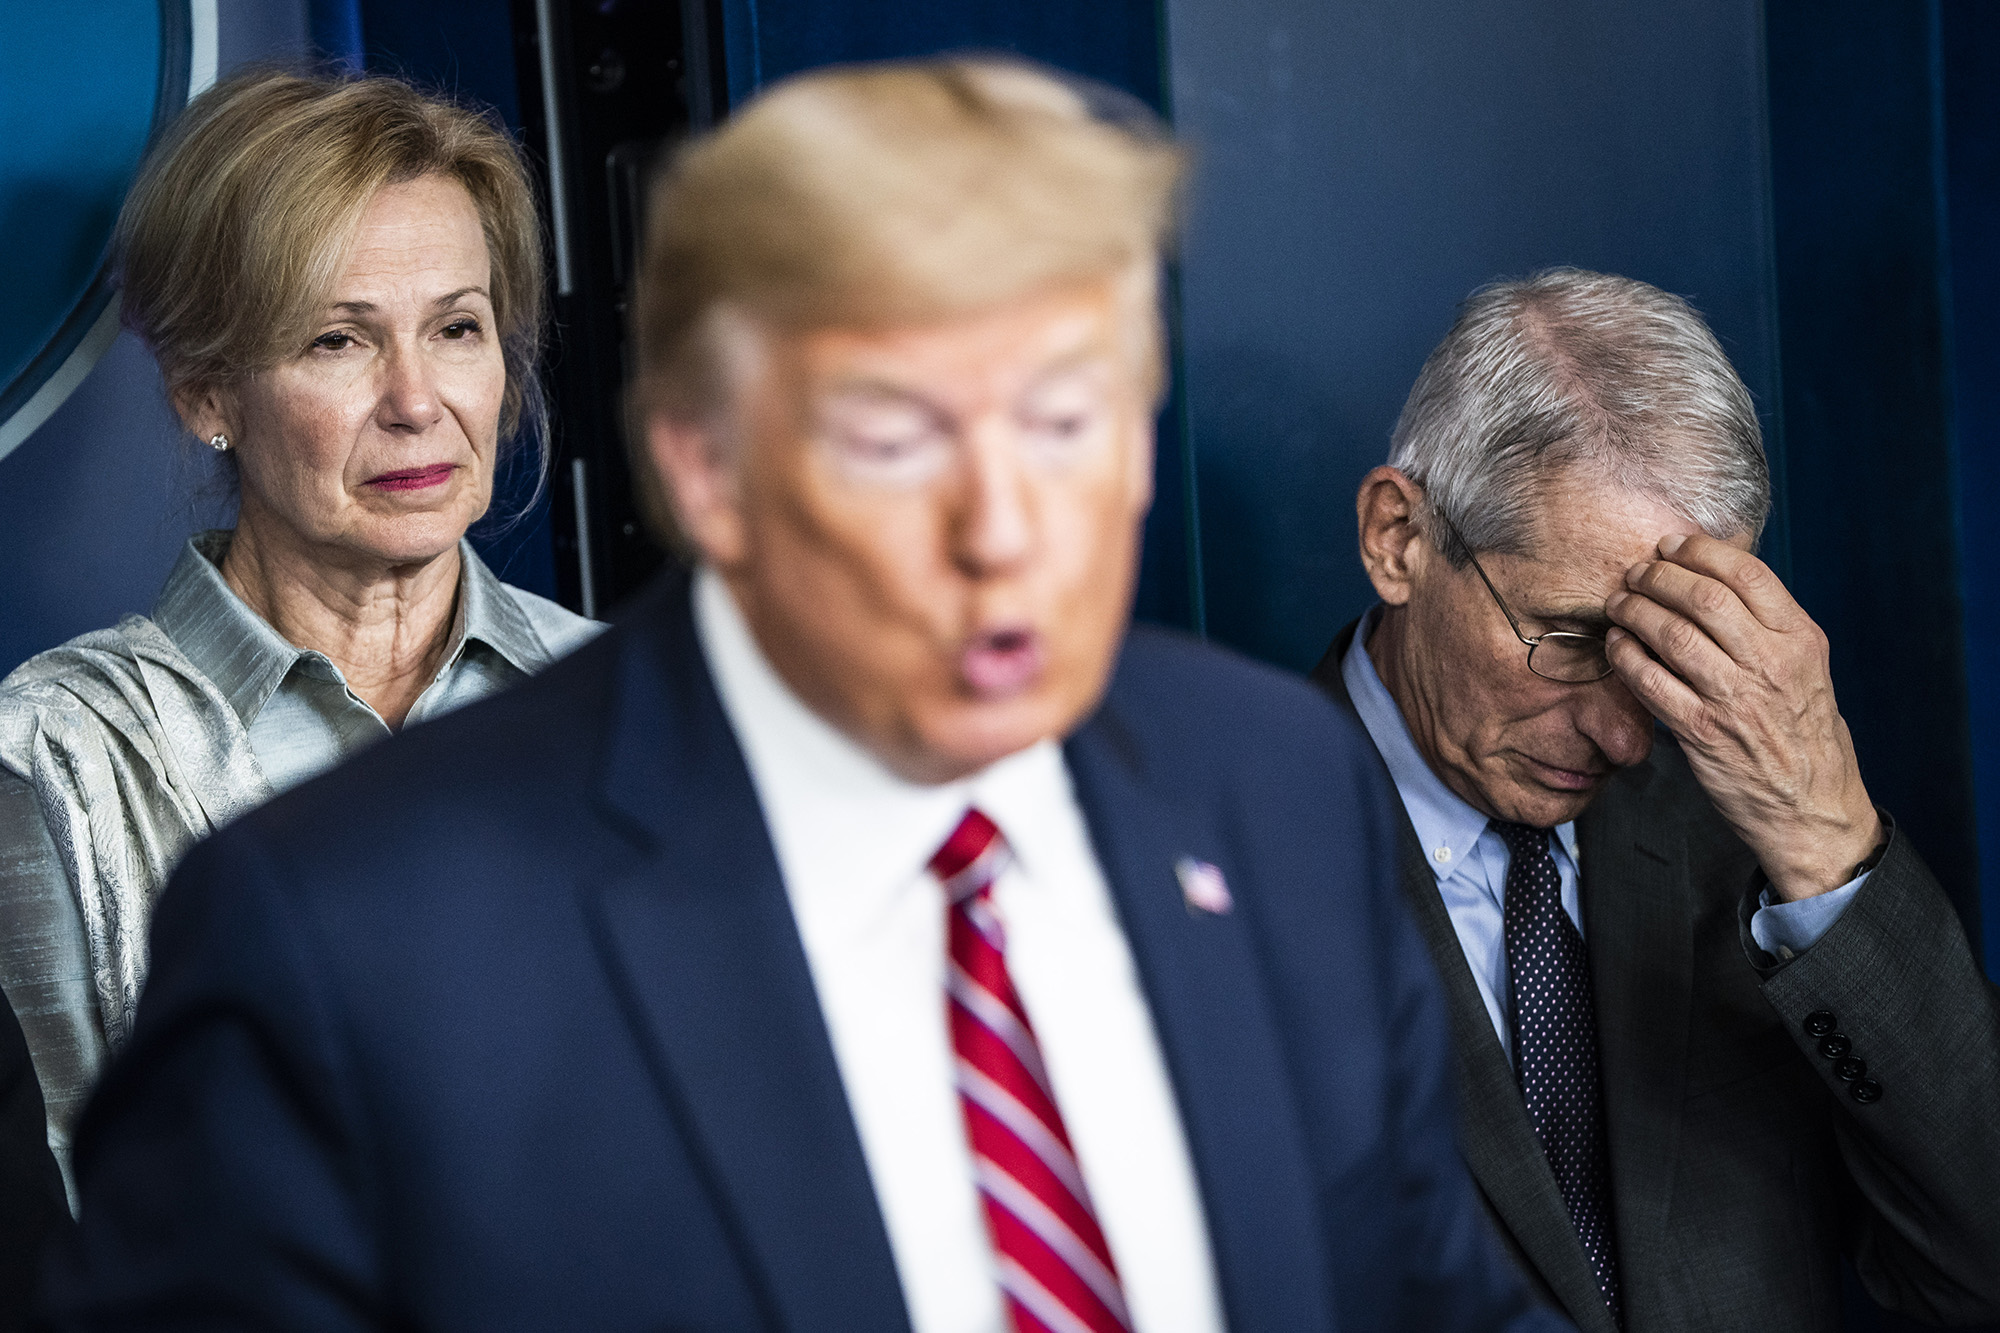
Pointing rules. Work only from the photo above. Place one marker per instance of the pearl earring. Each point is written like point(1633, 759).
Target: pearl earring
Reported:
point(219, 443)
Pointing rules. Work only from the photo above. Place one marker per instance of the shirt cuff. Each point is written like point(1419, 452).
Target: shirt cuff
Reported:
point(1787, 930)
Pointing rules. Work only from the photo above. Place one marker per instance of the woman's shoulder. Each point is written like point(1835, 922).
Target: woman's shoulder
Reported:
point(95, 677)
point(97, 655)
point(561, 630)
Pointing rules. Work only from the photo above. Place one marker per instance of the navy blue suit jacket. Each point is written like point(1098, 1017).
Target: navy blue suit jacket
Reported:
point(507, 1024)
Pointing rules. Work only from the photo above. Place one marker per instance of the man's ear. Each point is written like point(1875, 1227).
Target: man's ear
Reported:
point(701, 487)
point(1393, 548)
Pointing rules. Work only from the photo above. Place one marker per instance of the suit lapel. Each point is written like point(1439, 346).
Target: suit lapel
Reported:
point(1201, 975)
point(699, 939)
point(1639, 918)
point(1495, 1136)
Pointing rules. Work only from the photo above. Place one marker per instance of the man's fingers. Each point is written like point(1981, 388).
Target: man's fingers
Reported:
point(1665, 695)
point(1679, 642)
point(1761, 591)
point(1708, 602)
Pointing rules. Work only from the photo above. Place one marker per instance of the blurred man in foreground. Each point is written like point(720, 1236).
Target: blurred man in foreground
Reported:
point(1717, 1025)
point(870, 934)
point(32, 1205)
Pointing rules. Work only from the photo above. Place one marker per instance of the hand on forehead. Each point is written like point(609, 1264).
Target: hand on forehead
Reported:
point(1586, 531)
point(1711, 642)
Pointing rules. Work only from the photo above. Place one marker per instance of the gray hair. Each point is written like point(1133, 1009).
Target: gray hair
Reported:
point(1574, 368)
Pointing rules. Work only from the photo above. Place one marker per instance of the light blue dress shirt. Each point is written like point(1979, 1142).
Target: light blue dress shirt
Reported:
point(300, 715)
point(1470, 861)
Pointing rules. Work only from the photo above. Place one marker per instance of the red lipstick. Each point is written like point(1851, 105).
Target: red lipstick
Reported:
point(414, 478)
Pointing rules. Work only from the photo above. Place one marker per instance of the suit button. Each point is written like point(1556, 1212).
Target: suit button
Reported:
point(1849, 1069)
point(1835, 1046)
point(1866, 1090)
point(1820, 1023)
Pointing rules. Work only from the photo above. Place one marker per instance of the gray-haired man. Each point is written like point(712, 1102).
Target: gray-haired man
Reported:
point(1716, 1022)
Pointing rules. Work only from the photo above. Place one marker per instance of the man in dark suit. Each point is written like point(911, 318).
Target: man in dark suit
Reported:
point(1716, 1024)
point(867, 933)
point(32, 1204)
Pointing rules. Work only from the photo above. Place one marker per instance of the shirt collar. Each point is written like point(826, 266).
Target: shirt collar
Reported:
point(488, 614)
point(247, 660)
point(829, 801)
point(232, 645)
point(1446, 825)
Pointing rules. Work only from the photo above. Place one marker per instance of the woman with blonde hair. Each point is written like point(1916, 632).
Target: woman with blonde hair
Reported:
point(341, 280)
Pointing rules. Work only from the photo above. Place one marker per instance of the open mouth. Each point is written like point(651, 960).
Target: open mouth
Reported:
point(1002, 662)
point(415, 478)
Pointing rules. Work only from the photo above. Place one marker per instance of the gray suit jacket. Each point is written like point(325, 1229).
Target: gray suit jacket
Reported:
point(1742, 1165)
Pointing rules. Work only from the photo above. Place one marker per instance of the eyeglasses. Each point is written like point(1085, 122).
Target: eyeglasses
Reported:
point(1573, 659)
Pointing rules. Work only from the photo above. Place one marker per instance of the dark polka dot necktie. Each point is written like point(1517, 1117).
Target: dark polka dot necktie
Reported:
point(1555, 1044)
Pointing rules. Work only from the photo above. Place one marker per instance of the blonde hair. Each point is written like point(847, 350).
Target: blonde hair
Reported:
point(896, 193)
point(232, 236)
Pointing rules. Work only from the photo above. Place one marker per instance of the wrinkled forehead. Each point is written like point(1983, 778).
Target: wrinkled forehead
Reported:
point(1585, 520)
point(428, 229)
point(1586, 530)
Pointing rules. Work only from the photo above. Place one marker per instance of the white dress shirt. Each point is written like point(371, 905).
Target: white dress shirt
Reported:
point(853, 840)
point(1470, 860)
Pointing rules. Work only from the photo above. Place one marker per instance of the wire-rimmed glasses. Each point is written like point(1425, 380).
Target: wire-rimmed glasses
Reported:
point(1572, 659)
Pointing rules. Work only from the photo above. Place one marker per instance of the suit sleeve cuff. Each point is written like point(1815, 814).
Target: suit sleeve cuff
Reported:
point(1786, 930)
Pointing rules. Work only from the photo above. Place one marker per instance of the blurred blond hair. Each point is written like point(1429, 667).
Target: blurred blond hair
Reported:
point(893, 194)
point(233, 234)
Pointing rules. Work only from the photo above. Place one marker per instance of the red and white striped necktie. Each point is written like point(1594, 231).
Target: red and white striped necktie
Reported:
point(1055, 1270)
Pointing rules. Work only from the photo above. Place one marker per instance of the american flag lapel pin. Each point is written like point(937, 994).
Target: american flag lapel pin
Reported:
point(1203, 886)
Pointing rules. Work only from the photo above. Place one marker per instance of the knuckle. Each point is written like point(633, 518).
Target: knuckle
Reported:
point(1711, 597)
point(1647, 683)
point(1704, 728)
point(1679, 638)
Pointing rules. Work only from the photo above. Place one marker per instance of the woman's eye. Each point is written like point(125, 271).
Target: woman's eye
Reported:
point(333, 342)
point(461, 328)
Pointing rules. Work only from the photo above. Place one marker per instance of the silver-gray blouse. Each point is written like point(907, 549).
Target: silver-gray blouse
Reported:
point(122, 747)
